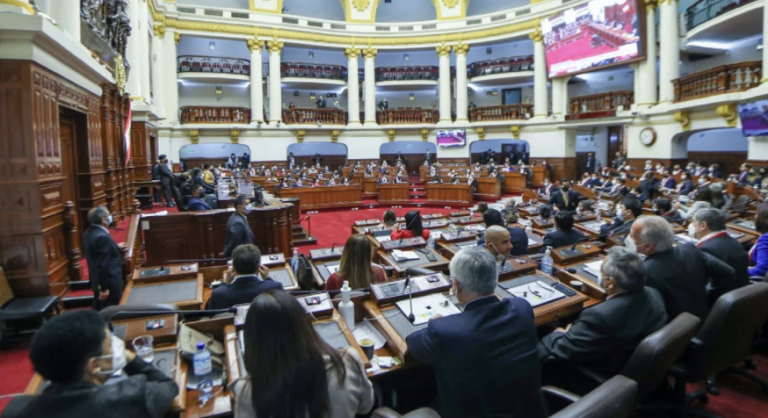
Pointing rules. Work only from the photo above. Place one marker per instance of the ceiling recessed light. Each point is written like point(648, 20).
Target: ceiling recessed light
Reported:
point(406, 57)
point(311, 54)
point(212, 45)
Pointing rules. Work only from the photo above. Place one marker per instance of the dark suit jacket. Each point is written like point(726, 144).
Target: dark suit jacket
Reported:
point(517, 237)
point(479, 355)
point(207, 187)
point(616, 228)
point(605, 335)
point(729, 251)
point(681, 274)
point(105, 261)
point(243, 290)
point(687, 188)
point(668, 183)
point(558, 200)
point(196, 204)
point(148, 392)
point(674, 217)
point(186, 188)
point(165, 174)
point(560, 238)
point(238, 233)
point(647, 190)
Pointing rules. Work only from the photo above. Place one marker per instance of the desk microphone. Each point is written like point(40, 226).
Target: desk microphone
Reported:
point(504, 261)
point(411, 316)
point(580, 240)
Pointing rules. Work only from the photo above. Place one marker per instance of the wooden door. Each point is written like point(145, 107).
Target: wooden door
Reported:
point(68, 159)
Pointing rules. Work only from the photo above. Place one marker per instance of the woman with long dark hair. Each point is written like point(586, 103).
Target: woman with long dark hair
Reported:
point(413, 227)
point(356, 266)
point(292, 372)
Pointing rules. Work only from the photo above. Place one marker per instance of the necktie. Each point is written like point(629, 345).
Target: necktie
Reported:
point(565, 197)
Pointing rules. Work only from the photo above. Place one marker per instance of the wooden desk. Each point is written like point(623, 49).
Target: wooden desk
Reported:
point(577, 272)
point(394, 193)
point(449, 194)
point(488, 187)
point(441, 264)
point(325, 197)
point(746, 226)
point(186, 293)
point(369, 186)
point(514, 182)
point(164, 273)
point(539, 174)
point(450, 249)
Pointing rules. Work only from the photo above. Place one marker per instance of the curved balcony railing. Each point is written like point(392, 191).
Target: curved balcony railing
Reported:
point(312, 116)
point(214, 65)
point(705, 10)
point(407, 73)
point(210, 114)
point(501, 66)
point(728, 78)
point(401, 116)
point(304, 70)
point(599, 105)
point(501, 112)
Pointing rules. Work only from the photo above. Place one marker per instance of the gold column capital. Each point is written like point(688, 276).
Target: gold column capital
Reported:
point(300, 135)
point(683, 119)
point(234, 136)
point(443, 50)
point(275, 46)
point(536, 35)
point(651, 4)
point(729, 114)
point(391, 135)
point(194, 136)
point(160, 31)
point(352, 52)
point(461, 49)
point(255, 44)
point(370, 52)
point(480, 133)
point(176, 37)
point(424, 134)
point(515, 129)
point(335, 135)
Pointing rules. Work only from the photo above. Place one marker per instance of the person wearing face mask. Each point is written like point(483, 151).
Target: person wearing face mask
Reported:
point(196, 202)
point(497, 241)
point(715, 172)
point(517, 237)
point(702, 200)
point(742, 180)
point(238, 231)
point(167, 182)
point(198, 180)
point(565, 198)
point(604, 336)
point(683, 273)
point(490, 346)
point(77, 354)
point(686, 185)
point(104, 258)
point(626, 211)
point(663, 208)
point(593, 182)
point(667, 182)
point(564, 233)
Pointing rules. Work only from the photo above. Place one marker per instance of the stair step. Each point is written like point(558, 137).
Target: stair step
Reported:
point(79, 285)
point(77, 302)
point(305, 241)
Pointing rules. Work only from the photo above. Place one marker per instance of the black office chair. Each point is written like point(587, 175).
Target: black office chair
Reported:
point(613, 399)
point(134, 311)
point(13, 309)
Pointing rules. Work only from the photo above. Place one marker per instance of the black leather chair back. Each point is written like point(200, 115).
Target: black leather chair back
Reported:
point(727, 334)
point(658, 352)
point(133, 311)
point(613, 399)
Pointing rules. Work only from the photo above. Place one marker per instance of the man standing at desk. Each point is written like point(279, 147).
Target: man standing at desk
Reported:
point(238, 231)
point(481, 353)
point(167, 181)
point(104, 258)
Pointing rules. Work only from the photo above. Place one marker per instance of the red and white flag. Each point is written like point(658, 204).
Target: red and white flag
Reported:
point(127, 136)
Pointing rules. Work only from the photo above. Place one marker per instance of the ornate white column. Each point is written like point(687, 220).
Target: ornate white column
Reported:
point(560, 96)
point(133, 51)
point(765, 50)
point(353, 87)
point(370, 84)
point(669, 51)
point(540, 101)
point(645, 93)
point(66, 13)
point(143, 35)
point(170, 76)
point(444, 52)
point(157, 70)
point(462, 101)
point(257, 88)
point(275, 88)
point(18, 6)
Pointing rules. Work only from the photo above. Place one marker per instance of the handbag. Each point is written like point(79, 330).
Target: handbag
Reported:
point(304, 273)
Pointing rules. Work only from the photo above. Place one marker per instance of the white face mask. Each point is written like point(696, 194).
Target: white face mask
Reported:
point(692, 230)
point(109, 220)
point(701, 181)
point(630, 244)
point(600, 281)
point(248, 208)
point(118, 357)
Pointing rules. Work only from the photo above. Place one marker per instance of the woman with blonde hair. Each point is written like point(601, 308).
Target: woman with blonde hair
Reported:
point(356, 266)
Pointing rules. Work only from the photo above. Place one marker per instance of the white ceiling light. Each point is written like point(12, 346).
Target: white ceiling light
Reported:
point(311, 54)
point(212, 45)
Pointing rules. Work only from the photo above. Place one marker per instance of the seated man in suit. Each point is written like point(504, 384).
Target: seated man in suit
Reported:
point(626, 211)
point(686, 185)
point(197, 178)
point(664, 208)
point(77, 354)
point(593, 182)
point(517, 236)
point(196, 202)
point(605, 335)
point(708, 226)
point(185, 188)
point(481, 353)
point(680, 273)
point(667, 182)
point(244, 285)
point(565, 199)
point(564, 233)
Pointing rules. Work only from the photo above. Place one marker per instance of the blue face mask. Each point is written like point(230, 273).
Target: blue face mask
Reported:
point(248, 208)
point(620, 215)
point(109, 220)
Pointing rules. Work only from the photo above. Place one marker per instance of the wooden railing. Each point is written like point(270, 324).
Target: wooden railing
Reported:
point(407, 73)
point(133, 253)
point(704, 10)
point(501, 112)
point(216, 65)
point(501, 65)
point(739, 76)
point(210, 114)
point(312, 116)
point(304, 70)
point(599, 105)
point(398, 116)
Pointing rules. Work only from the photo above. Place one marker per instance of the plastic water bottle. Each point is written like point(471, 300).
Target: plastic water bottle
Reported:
point(546, 262)
point(347, 307)
point(295, 259)
point(431, 243)
point(202, 366)
point(598, 214)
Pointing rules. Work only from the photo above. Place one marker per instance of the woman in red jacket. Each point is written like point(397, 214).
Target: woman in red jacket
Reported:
point(356, 266)
point(413, 227)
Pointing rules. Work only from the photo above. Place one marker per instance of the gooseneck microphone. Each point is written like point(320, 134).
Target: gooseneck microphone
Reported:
point(411, 316)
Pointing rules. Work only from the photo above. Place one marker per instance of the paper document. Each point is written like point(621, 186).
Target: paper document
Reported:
point(426, 307)
point(332, 268)
point(594, 267)
point(404, 255)
point(383, 238)
point(532, 242)
point(536, 293)
point(594, 225)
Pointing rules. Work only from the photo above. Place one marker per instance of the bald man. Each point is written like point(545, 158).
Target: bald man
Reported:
point(497, 241)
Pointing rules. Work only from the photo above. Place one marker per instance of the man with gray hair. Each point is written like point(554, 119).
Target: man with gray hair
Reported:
point(605, 335)
point(682, 273)
point(104, 258)
point(481, 353)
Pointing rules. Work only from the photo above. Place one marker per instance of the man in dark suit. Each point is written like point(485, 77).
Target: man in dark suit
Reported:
point(167, 181)
point(667, 181)
point(564, 233)
point(76, 353)
point(517, 236)
point(197, 180)
point(244, 284)
point(663, 208)
point(619, 160)
point(708, 226)
point(605, 335)
point(481, 353)
point(565, 199)
point(156, 176)
point(472, 183)
point(196, 202)
point(744, 174)
point(185, 188)
point(104, 258)
point(593, 182)
point(590, 167)
point(680, 273)
point(626, 212)
point(686, 185)
point(238, 231)
point(320, 102)
point(383, 104)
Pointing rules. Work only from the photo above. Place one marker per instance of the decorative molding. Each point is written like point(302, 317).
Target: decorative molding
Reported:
point(18, 3)
point(424, 134)
point(391, 135)
point(651, 4)
point(300, 135)
point(352, 52)
point(536, 35)
point(234, 136)
point(255, 44)
point(361, 5)
point(275, 46)
point(194, 136)
point(176, 37)
point(160, 31)
point(443, 50)
point(664, 1)
point(480, 133)
point(515, 129)
point(683, 119)
point(335, 135)
point(461, 48)
point(369, 52)
point(729, 113)
point(120, 75)
point(276, 10)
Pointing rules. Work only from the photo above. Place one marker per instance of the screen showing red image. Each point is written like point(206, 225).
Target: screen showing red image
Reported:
point(455, 138)
point(592, 35)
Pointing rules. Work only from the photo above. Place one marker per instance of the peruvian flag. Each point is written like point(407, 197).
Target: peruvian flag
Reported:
point(127, 136)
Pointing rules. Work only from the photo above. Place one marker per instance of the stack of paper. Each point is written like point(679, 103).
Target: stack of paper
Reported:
point(428, 306)
point(594, 267)
point(536, 293)
point(404, 255)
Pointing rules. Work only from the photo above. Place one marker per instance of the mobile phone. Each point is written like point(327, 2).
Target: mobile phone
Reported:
point(432, 279)
point(155, 324)
point(273, 257)
point(312, 300)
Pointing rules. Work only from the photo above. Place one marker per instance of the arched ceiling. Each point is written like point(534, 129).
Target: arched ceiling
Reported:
point(406, 11)
point(318, 9)
point(481, 7)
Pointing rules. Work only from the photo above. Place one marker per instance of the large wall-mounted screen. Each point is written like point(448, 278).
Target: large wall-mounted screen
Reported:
point(754, 118)
point(453, 138)
point(592, 35)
